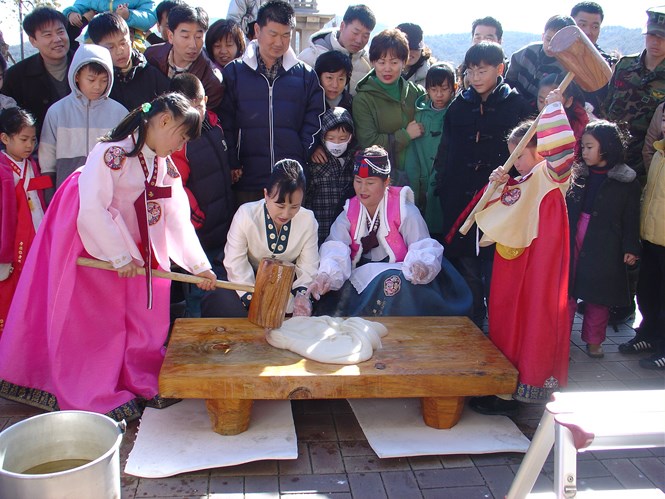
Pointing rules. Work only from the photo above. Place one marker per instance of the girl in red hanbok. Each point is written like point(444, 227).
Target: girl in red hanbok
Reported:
point(21, 199)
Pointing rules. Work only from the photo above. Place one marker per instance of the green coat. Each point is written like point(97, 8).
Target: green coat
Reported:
point(420, 157)
point(381, 120)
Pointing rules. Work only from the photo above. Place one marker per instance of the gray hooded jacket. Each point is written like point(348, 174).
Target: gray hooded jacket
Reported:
point(74, 123)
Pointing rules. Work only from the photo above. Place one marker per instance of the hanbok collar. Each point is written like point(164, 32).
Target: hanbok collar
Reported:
point(277, 240)
point(381, 210)
point(18, 167)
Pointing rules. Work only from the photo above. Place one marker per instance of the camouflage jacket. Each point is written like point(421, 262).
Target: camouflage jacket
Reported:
point(634, 93)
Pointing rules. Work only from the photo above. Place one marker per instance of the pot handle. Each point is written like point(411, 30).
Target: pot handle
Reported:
point(122, 426)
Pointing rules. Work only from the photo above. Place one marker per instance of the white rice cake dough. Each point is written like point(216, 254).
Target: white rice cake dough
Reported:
point(330, 340)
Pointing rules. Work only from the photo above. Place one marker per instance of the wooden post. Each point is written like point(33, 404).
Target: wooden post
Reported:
point(442, 412)
point(229, 416)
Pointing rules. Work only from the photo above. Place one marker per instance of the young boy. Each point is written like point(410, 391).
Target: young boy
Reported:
point(184, 51)
point(529, 64)
point(334, 71)
point(134, 80)
point(162, 13)
point(203, 164)
point(473, 145)
point(430, 111)
point(330, 181)
point(73, 124)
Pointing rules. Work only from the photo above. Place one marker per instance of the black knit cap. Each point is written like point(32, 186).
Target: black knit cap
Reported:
point(414, 34)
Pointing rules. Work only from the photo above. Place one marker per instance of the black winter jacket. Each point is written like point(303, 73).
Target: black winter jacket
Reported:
point(29, 84)
point(210, 183)
point(141, 84)
point(614, 229)
point(473, 144)
point(267, 122)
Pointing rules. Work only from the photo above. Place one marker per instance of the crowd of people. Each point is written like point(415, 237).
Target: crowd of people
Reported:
point(142, 136)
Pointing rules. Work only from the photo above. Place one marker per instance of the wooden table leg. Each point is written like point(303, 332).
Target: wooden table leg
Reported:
point(229, 416)
point(442, 412)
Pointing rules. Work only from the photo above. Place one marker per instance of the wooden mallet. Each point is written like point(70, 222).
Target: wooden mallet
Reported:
point(585, 65)
point(270, 294)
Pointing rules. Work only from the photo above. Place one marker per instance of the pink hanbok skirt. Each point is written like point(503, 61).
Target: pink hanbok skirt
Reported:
point(76, 337)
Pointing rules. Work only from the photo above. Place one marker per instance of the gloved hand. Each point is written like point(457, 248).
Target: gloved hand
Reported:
point(320, 286)
point(302, 306)
point(419, 273)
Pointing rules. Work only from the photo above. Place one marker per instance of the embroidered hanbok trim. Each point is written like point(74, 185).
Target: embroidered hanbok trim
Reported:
point(277, 240)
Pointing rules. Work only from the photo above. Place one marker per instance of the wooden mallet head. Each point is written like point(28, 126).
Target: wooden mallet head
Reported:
point(272, 290)
point(573, 49)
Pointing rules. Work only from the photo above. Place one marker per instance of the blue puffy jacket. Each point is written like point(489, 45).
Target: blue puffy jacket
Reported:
point(265, 123)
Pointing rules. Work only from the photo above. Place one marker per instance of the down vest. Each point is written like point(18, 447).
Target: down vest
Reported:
point(266, 122)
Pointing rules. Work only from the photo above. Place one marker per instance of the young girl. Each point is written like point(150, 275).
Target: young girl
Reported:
point(329, 181)
point(379, 258)
point(430, 111)
point(528, 318)
point(274, 226)
point(90, 339)
point(21, 199)
point(224, 42)
point(604, 215)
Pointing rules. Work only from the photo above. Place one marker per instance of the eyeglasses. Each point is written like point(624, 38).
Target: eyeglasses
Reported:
point(473, 73)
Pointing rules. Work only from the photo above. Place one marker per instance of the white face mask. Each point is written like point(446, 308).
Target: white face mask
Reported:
point(337, 149)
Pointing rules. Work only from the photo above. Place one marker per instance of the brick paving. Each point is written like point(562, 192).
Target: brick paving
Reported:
point(335, 460)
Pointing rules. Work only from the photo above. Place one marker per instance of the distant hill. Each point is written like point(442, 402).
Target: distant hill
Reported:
point(452, 47)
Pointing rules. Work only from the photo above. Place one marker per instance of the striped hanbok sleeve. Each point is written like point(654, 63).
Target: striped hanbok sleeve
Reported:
point(556, 142)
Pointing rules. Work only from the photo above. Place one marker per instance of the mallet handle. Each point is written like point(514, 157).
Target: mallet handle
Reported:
point(173, 276)
point(493, 186)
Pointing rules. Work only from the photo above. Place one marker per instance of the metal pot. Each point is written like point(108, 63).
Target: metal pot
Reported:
point(41, 444)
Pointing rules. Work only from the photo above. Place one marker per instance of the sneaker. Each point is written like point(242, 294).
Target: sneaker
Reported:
point(637, 345)
point(494, 406)
point(656, 361)
point(595, 351)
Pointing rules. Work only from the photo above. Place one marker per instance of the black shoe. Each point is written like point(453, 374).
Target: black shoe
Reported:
point(493, 406)
point(656, 361)
point(637, 345)
point(621, 315)
point(581, 307)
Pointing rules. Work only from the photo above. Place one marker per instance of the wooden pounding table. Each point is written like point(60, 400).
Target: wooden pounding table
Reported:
point(228, 362)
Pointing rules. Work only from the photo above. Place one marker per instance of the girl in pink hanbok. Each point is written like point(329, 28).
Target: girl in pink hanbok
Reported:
point(90, 339)
point(21, 199)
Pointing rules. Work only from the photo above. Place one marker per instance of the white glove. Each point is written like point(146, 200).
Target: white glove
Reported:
point(419, 273)
point(302, 305)
point(320, 285)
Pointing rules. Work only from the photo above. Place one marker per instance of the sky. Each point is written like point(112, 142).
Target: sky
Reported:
point(515, 15)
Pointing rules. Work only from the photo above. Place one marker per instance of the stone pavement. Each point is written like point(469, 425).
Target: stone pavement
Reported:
point(335, 460)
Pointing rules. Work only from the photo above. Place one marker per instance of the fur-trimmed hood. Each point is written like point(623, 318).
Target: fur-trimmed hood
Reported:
point(620, 172)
